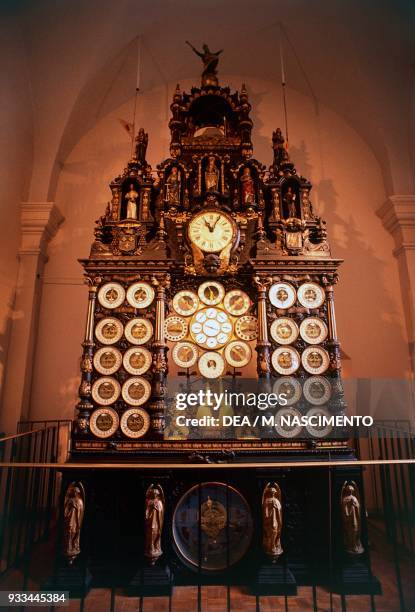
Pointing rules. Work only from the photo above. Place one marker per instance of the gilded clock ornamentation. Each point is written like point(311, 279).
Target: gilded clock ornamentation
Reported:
point(111, 295)
point(109, 330)
point(175, 328)
point(238, 353)
point(104, 422)
point(138, 331)
point(311, 295)
point(315, 360)
point(140, 295)
point(137, 360)
point(135, 423)
point(211, 365)
point(211, 231)
point(185, 354)
point(246, 327)
point(211, 293)
point(282, 295)
point(136, 391)
point(211, 328)
point(107, 360)
point(285, 360)
point(236, 302)
point(185, 303)
point(106, 390)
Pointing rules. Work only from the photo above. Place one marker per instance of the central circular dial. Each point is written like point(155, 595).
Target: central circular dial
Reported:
point(211, 328)
point(211, 231)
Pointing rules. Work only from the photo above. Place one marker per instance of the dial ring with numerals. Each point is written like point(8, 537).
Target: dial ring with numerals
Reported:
point(140, 295)
point(238, 353)
point(185, 303)
point(175, 328)
point(211, 231)
point(236, 302)
point(104, 422)
point(246, 328)
point(211, 293)
point(211, 328)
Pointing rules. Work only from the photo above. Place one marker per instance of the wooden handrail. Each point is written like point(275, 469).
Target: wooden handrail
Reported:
point(25, 433)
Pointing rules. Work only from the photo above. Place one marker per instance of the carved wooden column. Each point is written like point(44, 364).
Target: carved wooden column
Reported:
point(85, 405)
point(157, 406)
point(39, 223)
point(332, 343)
point(263, 344)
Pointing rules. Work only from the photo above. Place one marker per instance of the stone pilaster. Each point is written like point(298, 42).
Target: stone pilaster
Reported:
point(398, 217)
point(39, 224)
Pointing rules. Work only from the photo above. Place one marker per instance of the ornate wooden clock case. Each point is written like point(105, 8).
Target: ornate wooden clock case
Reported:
point(212, 267)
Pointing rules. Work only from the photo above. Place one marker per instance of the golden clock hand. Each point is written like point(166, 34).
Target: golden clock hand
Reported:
point(218, 217)
point(208, 226)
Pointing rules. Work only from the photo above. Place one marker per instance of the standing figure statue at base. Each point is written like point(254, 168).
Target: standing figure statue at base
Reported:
point(73, 516)
point(351, 509)
point(272, 521)
point(210, 62)
point(131, 198)
point(154, 519)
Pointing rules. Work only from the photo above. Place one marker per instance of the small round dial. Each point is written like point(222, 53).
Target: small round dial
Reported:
point(175, 328)
point(311, 295)
point(140, 295)
point(185, 354)
point(211, 365)
point(211, 293)
point(111, 295)
point(107, 360)
point(211, 328)
point(104, 422)
point(211, 231)
point(246, 328)
point(236, 302)
point(138, 331)
point(137, 360)
point(185, 303)
point(238, 354)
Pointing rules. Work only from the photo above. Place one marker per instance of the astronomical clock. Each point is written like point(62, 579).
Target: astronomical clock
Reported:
point(212, 274)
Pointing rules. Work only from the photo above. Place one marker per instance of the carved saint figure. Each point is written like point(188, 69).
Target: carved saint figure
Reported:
point(141, 145)
point(272, 520)
point(73, 515)
point(131, 198)
point(211, 175)
point(154, 519)
point(289, 200)
point(280, 152)
point(248, 187)
point(209, 58)
point(173, 187)
point(351, 518)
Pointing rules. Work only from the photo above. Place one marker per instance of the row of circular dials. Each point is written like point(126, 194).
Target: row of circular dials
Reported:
point(211, 328)
point(285, 359)
point(139, 295)
point(135, 391)
point(284, 295)
point(316, 389)
point(134, 422)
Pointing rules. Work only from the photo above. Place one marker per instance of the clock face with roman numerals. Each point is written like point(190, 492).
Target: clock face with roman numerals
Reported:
point(211, 231)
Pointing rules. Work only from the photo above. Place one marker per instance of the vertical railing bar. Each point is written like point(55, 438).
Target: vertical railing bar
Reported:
point(392, 533)
point(330, 539)
point(397, 490)
point(315, 605)
point(199, 559)
point(404, 496)
point(343, 602)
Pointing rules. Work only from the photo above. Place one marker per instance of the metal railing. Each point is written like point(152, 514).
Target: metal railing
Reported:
point(32, 461)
